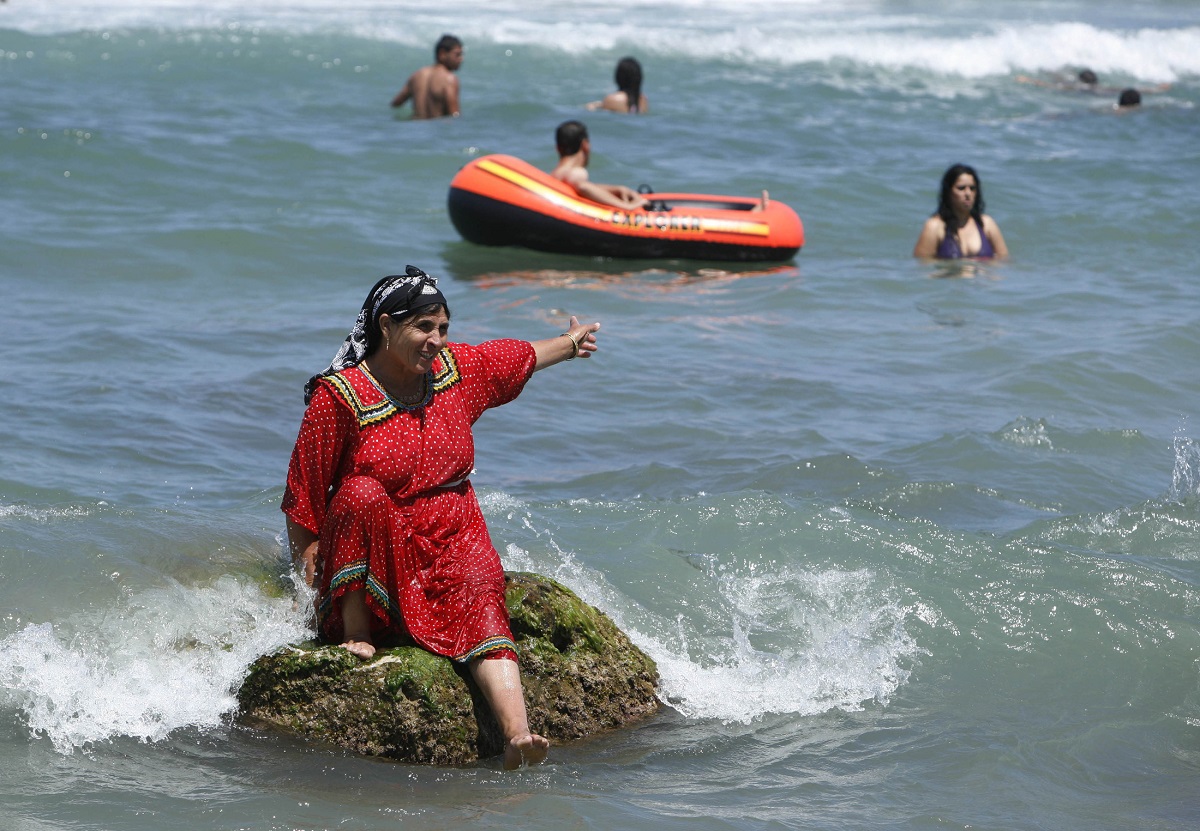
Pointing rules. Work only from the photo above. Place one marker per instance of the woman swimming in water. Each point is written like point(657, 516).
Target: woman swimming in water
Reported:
point(960, 228)
point(628, 98)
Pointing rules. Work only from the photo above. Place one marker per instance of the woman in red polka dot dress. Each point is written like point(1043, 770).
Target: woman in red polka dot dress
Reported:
point(380, 512)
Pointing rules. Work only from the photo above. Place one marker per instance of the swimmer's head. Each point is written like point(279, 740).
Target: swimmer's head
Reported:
point(1129, 98)
point(628, 74)
point(447, 43)
point(629, 81)
point(946, 195)
point(1086, 76)
point(569, 137)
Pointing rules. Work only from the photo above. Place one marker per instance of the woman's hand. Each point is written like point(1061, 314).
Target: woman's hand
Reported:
point(579, 341)
point(303, 544)
point(583, 334)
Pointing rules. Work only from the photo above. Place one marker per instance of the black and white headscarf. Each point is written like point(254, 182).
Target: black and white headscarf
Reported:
point(397, 295)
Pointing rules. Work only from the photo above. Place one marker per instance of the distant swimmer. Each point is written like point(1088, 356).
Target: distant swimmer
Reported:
point(628, 98)
point(433, 89)
point(960, 228)
point(1085, 81)
point(574, 151)
point(1128, 99)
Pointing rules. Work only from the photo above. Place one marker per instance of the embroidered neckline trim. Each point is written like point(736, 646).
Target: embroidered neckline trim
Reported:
point(427, 385)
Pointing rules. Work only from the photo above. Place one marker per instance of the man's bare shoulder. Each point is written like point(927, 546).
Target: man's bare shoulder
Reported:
point(441, 78)
point(422, 76)
point(573, 175)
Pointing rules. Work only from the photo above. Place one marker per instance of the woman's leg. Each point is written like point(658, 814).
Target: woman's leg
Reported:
point(356, 624)
point(500, 681)
point(358, 530)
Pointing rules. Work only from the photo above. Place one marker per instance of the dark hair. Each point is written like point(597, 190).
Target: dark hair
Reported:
point(446, 43)
point(629, 81)
point(945, 210)
point(1129, 98)
point(569, 137)
point(375, 331)
point(1086, 76)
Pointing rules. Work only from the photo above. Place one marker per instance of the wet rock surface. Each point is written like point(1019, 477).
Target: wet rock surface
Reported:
point(581, 674)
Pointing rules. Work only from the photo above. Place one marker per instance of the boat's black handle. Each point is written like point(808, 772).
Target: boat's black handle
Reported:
point(655, 204)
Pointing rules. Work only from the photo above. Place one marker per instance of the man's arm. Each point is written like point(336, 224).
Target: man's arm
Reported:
point(617, 196)
point(403, 95)
point(452, 96)
point(626, 196)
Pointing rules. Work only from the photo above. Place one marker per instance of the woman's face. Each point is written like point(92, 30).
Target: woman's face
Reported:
point(962, 194)
point(413, 342)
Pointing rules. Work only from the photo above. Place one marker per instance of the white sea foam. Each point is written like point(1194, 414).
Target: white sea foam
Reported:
point(167, 658)
point(1185, 478)
point(770, 32)
point(837, 641)
point(44, 515)
point(1027, 432)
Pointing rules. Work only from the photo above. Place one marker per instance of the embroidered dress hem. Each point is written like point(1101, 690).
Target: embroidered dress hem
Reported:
point(488, 649)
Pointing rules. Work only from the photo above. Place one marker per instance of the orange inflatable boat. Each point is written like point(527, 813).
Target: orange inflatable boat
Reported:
point(501, 200)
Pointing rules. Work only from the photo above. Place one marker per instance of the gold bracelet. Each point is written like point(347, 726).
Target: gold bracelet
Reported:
point(574, 343)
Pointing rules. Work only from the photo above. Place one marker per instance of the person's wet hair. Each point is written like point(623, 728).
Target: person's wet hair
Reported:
point(629, 81)
point(569, 137)
point(1129, 98)
point(445, 44)
point(1086, 76)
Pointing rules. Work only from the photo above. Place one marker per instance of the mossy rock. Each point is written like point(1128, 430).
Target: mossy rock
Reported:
point(582, 675)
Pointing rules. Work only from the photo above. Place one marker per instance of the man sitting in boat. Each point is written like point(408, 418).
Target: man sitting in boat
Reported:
point(574, 149)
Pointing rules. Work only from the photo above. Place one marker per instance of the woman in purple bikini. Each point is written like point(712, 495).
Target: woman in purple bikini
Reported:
point(960, 228)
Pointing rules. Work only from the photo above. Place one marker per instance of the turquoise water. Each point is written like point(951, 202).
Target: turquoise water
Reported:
point(914, 546)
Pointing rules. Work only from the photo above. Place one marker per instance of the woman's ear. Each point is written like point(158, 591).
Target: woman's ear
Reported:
point(386, 328)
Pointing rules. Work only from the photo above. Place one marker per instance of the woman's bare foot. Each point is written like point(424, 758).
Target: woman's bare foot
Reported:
point(363, 649)
point(763, 204)
point(529, 748)
point(356, 625)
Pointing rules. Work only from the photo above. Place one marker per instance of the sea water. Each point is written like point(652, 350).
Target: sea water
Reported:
point(914, 545)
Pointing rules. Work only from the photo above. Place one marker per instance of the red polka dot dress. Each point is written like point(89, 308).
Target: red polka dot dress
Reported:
point(385, 489)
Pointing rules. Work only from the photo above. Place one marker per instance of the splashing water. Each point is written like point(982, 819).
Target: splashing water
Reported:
point(797, 641)
point(1185, 478)
point(170, 658)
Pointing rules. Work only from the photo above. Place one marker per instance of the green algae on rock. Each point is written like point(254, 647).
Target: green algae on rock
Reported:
point(582, 675)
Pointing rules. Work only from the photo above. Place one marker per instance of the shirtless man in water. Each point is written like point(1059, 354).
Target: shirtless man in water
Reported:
point(434, 88)
point(574, 150)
